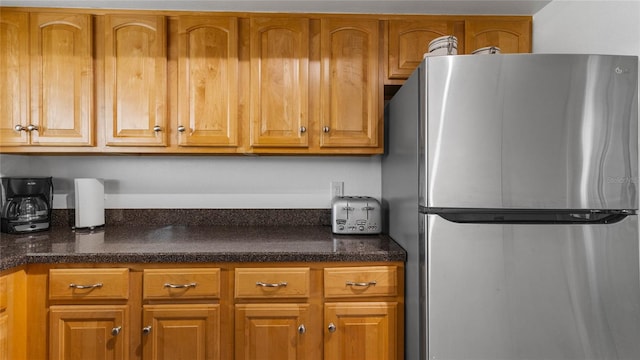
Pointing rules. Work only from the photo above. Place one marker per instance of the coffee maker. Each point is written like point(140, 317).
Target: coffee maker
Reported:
point(26, 204)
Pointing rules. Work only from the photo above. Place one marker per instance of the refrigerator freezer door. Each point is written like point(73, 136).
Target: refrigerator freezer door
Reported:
point(518, 292)
point(530, 131)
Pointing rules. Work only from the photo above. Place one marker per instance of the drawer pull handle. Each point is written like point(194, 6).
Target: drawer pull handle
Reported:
point(180, 286)
point(280, 284)
point(76, 286)
point(361, 284)
point(116, 330)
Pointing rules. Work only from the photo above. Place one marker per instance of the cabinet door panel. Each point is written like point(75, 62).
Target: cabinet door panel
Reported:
point(272, 331)
point(61, 79)
point(86, 332)
point(363, 331)
point(189, 332)
point(349, 94)
point(14, 76)
point(4, 335)
point(409, 40)
point(279, 82)
point(135, 80)
point(207, 81)
point(511, 36)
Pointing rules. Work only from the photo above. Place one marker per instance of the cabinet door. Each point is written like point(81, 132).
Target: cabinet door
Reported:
point(511, 36)
point(349, 83)
point(4, 320)
point(408, 41)
point(273, 332)
point(14, 77)
point(361, 331)
point(4, 335)
point(135, 79)
point(61, 79)
point(279, 82)
point(207, 81)
point(80, 332)
point(181, 332)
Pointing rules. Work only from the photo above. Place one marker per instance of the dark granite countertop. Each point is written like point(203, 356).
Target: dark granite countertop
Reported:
point(193, 244)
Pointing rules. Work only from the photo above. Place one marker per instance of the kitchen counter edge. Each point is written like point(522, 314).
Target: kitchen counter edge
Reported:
point(195, 244)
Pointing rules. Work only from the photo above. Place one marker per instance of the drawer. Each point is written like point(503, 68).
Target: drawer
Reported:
point(194, 283)
point(3, 292)
point(89, 284)
point(361, 281)
point(255, 283)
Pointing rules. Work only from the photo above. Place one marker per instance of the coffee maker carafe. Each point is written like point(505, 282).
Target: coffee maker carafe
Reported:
point(26, 204)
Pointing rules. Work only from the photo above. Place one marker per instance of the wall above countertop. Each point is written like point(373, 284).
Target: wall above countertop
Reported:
point(202, 182)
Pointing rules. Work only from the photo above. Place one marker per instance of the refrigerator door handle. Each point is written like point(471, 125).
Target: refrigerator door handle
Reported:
point(529, 216)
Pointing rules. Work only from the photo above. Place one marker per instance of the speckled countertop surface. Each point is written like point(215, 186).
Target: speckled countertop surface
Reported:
point(192, 244)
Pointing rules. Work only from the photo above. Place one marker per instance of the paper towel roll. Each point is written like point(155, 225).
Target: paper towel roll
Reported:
point(89, 202)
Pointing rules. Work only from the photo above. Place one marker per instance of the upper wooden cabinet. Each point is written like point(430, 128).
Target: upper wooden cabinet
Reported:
point(408, 40)
point(350, 90)
point(135, 80)
point(511, 35)
point(215, 83)
point(53, 79)
point(207, 81)
point(279, 109)
point(62, 79)
point(14, 77)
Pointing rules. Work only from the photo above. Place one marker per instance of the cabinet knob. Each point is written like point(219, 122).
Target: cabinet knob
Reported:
point(181, 129)
point(303, 129)
point(19, 128)
point(326, 129)
point(116, 330)
point(331, 327)
point(302, 329)
point(146, 330)
point(31, 128)
point(157, 128)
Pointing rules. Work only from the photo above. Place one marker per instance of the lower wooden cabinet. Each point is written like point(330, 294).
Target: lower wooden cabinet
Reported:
point(4, 336)
point(229, 311)
point(4, 320)
point(79, 332)
point(273, 332)
point(183, 331)
point(13, 311)
point(361, 313)
point(361, 331)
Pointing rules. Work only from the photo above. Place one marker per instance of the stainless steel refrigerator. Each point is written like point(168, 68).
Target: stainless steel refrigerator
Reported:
point(512, 182)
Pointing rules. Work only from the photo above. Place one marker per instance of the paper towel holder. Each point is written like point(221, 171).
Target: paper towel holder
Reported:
point(89, 203)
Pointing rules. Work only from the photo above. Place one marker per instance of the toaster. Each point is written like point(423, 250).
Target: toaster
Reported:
point(355, 215)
